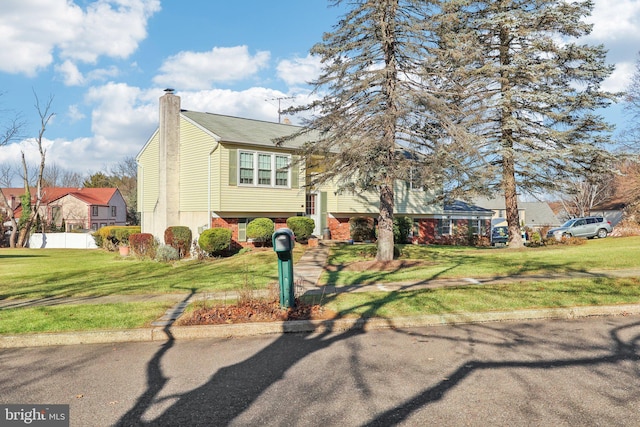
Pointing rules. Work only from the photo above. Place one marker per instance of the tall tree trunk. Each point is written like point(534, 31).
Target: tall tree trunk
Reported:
point(508, 161)
point(511, 202)
point(385, 224)
point(385, 220)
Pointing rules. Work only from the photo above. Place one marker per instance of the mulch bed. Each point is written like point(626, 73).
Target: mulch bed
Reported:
point(255, 311)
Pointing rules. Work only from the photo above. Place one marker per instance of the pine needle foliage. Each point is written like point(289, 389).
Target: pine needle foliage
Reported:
point(530, 91)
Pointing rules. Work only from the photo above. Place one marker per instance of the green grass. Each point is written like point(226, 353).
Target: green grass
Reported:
point(38, 273)
point(86, 317)
point(517, 296)
point(454, 262)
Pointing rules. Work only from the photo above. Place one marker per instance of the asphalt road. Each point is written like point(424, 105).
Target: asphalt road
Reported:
point(582, 372)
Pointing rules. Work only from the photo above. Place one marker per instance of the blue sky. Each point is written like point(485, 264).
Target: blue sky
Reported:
point(106, 63)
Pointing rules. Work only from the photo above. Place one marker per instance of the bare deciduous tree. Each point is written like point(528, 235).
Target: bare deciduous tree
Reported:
point(55, 176)
point(31, 204)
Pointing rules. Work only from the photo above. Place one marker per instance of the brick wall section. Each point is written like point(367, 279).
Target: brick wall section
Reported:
point(340, 228)
point(232, 224)
point(426, 231)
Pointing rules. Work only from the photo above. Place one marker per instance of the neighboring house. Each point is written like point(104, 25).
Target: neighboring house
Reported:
point(539, 215)
point(76, 208)
point(534, 215)
point(612, 211)
point(206, 170)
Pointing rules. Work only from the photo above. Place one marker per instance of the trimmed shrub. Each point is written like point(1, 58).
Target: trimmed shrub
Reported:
point(179, 237)
point(301, 226)
point(111, 236)
point(260, 229)
point(166, 253)
point(361, 229)
point(402, 226)
point(215, 240)
point(143, 245)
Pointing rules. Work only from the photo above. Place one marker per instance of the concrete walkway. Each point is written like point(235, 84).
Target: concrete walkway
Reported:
point(307, 272)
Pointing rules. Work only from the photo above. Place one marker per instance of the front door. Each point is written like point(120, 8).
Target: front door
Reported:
point(313, 211)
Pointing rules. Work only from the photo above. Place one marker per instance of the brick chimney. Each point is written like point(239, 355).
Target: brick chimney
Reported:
point(167, 209)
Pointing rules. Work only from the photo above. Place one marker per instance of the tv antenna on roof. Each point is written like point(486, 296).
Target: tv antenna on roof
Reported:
point(279, 100)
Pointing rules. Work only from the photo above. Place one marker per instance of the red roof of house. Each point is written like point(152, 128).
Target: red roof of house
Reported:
point(92, 196)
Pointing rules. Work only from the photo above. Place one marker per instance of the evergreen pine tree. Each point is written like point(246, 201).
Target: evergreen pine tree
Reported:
point(529, 91)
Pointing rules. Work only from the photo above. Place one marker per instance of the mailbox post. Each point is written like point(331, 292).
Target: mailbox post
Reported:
point(283, 243)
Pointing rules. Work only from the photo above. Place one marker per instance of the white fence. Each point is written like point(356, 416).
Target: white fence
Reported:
point(62, 240)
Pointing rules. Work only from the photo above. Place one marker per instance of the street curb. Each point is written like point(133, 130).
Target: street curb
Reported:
point(320, 326)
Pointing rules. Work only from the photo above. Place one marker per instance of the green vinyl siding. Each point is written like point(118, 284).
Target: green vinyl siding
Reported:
point(323, 210)
point(407, 201)
point(295, 172)
point(254, 198)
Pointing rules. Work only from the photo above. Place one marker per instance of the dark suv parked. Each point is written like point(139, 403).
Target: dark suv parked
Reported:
point(589, 227)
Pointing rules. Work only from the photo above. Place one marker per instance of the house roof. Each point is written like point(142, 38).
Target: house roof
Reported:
point(536, 213)
point(246, 131)
point(539, 214)
point(458, 206)
point(92, 196)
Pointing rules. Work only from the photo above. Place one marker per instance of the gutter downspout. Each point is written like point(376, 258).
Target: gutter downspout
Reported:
point(215, 147)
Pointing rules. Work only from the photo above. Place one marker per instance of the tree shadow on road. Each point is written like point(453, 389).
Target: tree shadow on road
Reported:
point(231, 390)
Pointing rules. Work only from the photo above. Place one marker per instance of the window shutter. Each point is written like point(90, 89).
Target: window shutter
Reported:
point(295, 172)
point(233, 166)
point(323, 210)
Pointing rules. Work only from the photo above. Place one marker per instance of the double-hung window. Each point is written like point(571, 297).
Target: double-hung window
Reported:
point(282, 171)
point(264, 169)
point(246, 168)
point(445, 226)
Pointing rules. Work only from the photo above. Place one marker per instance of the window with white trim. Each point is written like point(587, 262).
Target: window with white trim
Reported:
point(445, 226)
point(246, 168)
point(282, 171)
point(264, 169)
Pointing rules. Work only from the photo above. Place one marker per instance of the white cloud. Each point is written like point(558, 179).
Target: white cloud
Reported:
point(199, 70)
point(616, 25)
point(299, 70)
point(110, 27)
point(71, 76)
point(74, 113)
point(122, 118)
point(620, 78)
point(615, 20)
point(32, 30)
point(253, 103)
